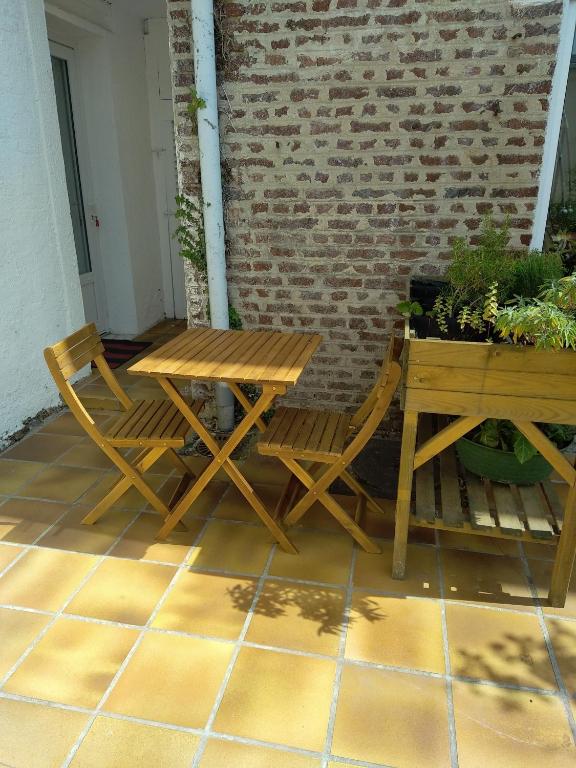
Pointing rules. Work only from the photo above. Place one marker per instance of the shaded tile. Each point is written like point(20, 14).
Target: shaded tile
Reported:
point(74, 663)
point(305, 618)
point(499, 646)
point(234, 506)
point(232, 547)
point(229, 753)
point(161, 677)
point(85, 453)
point(541, 575)
point(15, 474)
point(44, 579)
point(321, 557)
point(24, 520)
point(122, 590)
point(516, 729)
point(264, 469)
point(60, 483)
point(17, 630)
point(36, 736)
point(41, 447)
point(132, 499)
point(392, 718)
point(483, 544)
point(278, 697)
point(139, 541)
point(207, 604)
point(7, 555)
point(375, 571)
point(537, 551)
point(121, 744)
point(95, 539)
point(492, 579)
point(399, 632)
point(67, 424)
point(563, 637)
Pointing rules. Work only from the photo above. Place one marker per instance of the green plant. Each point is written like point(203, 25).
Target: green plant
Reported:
point(535, 270)
point(190, 232)
point(503, 435)
point(562, 216)
point(409, 309)
point(195, 103)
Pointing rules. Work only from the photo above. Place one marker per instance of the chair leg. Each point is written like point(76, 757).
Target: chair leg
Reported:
point(287, 498)
point(179, 463)
point(104, 505)
point(404, 494)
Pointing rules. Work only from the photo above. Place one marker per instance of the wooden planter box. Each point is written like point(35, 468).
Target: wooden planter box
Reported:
point(475, 381)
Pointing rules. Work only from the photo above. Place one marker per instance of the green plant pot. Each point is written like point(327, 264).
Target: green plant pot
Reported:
point(501, 466)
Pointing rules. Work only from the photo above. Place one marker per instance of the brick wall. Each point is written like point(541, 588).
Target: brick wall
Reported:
point(359, 137)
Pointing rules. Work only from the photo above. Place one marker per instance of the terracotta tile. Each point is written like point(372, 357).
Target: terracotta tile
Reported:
point(23, 520)
point(44, 579)
point(162, 677)
point(70, 533)
point(7, 555)
point(234, 506)
point(36, 736)
point(61, 483)
point(392, 718)
point(375, 571)
point(278, 697)
point(324, 557)
point(399, 632)
point(121, 744)
point(232, 547)
point(542, 574)
point(317, 518)
point(491, 579)
point(41, 447)
point(15, 474)
point(515, 729)
point(207, 604)
point(264, 469)
point(233, 754)
point(17, 630)
point(85, 453)
point(499, 646)
point(291, 615)
point(139, 542)
point(122, 590)
point(483, 544)
point(67, 424)
point(132, 499)
point(74, 663)
point(382, 525)
point(563, 637)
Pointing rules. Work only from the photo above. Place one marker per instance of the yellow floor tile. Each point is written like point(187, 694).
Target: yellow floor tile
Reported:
point(397, 632)
point(483, 544)
point(491, 579)
point(291, 615)
point(61, 483)
point(112, 743)
point(44, 579)
point(132, 499)
point(95, 539)
point(563, 637)
point(17, 630)
point(232, 547)
point(74, 663)
point(278, 697)
point(171, 679)
point(36, 736)
point(125, 591)
point(8, 554)
point(208, 500)
point(207, 604)
point(85, 453)
point(24, 520)
point(393, 718)
point(66, 424)
point(375, 571)
point(324, 557)
point(229, 754)
point(264, 469)
point(15, 474)
point(515, 729)
point(41, 447)
point(542, 574)
point(139, 542)
point(234, 506)
point(498, 646)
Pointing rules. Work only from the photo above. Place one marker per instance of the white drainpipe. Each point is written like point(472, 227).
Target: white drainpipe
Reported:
point(209, 145)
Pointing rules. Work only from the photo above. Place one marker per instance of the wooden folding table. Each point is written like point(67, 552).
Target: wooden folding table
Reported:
point(271, 360)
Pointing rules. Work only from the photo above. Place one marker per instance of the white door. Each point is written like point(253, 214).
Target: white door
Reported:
point(164, 155)
point(84, 218)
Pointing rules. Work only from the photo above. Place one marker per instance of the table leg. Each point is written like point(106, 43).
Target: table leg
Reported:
point(222, 459)
point(404, 493)
point(565, 554)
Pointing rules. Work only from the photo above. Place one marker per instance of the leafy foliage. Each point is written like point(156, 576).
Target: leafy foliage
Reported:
point(409, 308)
point(195, 103)
point(190, 232)
point(503, 435)
point(537, 322)
point(535, 270)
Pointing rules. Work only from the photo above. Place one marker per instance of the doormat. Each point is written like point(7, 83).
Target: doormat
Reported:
point(119, 351)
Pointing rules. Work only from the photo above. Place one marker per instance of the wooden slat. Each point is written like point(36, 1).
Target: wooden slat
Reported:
point(329, 432)
point(341, 433)
point(554, 504)
point(450, 497)
point(506, 509)
point(211, 356)
point(75, 338)
point(70, 355)
point(445, 437)
point(285, 423)
point(162, 415)
point(123, 424)
point(303, 437)
point(534, 512)
point(318, 431)
point(242, 362)
point(294, 429)
point(425, 498)
point(275, 348)
point(478, 506)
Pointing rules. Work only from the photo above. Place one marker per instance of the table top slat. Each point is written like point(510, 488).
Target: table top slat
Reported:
point(274, 350)
point(211, 359)
point(294, 359)
point(194, 349)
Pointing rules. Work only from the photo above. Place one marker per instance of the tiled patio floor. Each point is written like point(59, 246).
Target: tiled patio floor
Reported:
point(219, 651)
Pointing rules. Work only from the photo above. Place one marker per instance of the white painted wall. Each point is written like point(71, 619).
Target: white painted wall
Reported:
point(40, 295)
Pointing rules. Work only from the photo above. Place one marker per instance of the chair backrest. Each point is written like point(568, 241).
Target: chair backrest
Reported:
point(67, 357)
point(392, 355)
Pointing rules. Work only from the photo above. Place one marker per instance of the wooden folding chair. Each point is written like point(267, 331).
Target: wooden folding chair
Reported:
point(155, 426)
point(330, 441)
